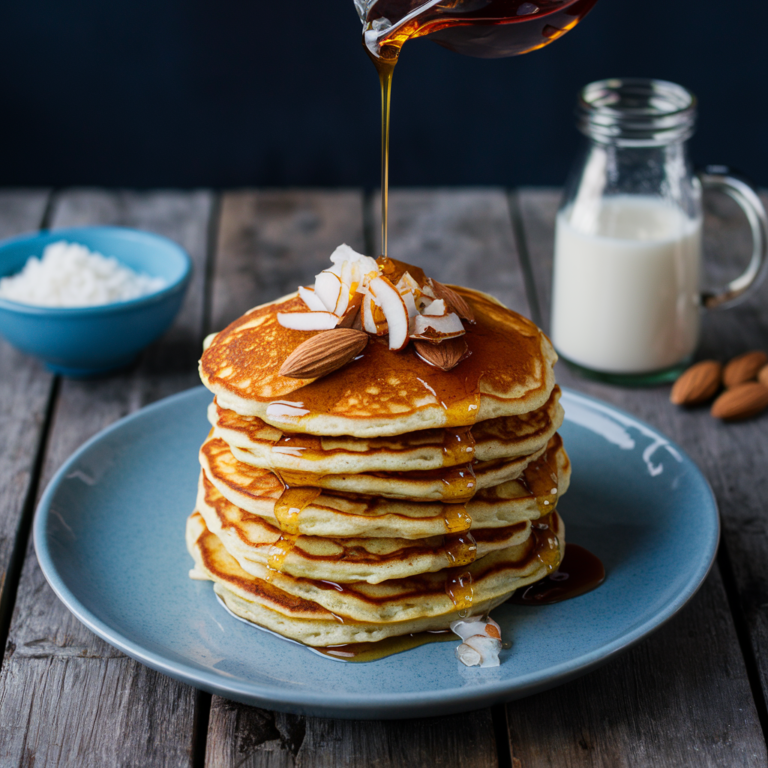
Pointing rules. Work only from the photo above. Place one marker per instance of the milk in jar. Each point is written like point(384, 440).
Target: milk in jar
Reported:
point(626, 295)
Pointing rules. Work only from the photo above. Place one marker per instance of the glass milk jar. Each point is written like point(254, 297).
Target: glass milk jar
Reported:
point(626, 299)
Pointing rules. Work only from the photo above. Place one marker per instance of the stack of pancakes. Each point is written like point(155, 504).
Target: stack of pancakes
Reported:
point(386, 498)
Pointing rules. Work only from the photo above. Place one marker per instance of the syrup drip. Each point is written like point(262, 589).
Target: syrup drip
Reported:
point(383, 648)
point(297, 480)
point(458, 446)
point(546, 542)
point(288, 509)
point(540, 480)
point(385, 66)
point(459, 483)
point(461, 548)
point(289, 444)
point(456, 517)
point(458, 586)
point(290, 505)
point(277, 554)
point(579, 572)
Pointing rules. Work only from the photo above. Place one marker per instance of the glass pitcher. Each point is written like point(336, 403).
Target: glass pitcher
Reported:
point(482, 28)
point(626, 296)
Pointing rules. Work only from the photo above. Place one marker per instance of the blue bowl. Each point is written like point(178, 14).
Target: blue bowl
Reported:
point(87, 341)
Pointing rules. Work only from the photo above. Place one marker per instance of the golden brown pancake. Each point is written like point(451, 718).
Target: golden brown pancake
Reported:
point(335, 513)
point(499, 438)
point(256, 544)
point(387, 497)
point(380, 393)
point(319, 613)
point(453, 484)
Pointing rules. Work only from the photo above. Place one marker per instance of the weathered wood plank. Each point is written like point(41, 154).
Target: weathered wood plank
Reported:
point(680, 698)
point(66, 697)
point(245, 276)
point(683, 697)
point(270, 242)
point(251, 738)
point(25, 391)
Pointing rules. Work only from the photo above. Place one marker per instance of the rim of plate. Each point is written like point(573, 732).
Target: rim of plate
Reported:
point(392, 705)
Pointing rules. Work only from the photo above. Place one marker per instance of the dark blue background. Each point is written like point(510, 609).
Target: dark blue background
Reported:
point(251, 92)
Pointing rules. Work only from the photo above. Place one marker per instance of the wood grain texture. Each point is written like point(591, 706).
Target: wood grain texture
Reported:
point(66, 697)
point(253, 738)
point(680, 698)
point(246, 736)
point(271, 242)
point(691, 702)
point(462, 237)
point(25, 392)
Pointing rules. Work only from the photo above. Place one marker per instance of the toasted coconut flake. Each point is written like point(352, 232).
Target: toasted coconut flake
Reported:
point(327, 288)
point(476, 625)
point(311, 299)
point(352, 312)
point(436, 308)
point(479, 651)
point(393, 307)
point(482, 641)
point(430, 328)
point(307, 321)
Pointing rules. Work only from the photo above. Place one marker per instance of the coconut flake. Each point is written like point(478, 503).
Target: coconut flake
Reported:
point(479, 651)
point(393, 307)
point(432, 328)
point(482, 641)
point(70, 275)
point(307, 321)
point(311, 299)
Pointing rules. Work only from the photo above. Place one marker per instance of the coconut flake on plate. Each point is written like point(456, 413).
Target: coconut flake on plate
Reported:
point(481, 644)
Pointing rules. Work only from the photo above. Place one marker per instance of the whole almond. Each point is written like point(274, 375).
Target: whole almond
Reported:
point(446, 355)
point(698, 384)
point(324, 353)
point(455, 302)
point(741, 402)
point(762, 375)
point(743, 368)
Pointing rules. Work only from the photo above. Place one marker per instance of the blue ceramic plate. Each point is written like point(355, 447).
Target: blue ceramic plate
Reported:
point(109, 534)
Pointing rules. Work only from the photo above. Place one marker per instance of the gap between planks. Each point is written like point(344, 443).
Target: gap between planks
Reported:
point(110, 688)
point(13, 567)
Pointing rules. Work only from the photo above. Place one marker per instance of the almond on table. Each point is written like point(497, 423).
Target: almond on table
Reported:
point(743, 368)
point(698, 384)
point(741, 402)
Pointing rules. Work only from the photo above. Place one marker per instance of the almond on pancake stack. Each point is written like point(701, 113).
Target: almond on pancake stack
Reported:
point(383, 457)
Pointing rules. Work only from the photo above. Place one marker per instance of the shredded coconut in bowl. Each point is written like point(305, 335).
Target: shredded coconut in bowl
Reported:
point(70, 275)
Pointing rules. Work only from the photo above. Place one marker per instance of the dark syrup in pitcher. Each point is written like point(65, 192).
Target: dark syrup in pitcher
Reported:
point(480, 28)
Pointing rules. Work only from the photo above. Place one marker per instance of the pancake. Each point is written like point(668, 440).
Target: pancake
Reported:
point(458, 483)
point(380, 393)
point(256, 544)
point(500, 438)
point(334, 513)
point(318, 613)
point(389, 496)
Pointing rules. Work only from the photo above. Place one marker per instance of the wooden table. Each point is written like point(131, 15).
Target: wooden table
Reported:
point(693, 694)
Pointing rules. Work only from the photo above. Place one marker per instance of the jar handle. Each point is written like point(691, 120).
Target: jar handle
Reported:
point(742, 192)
